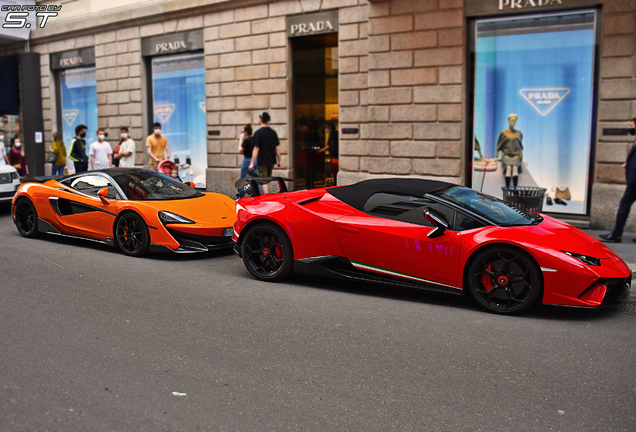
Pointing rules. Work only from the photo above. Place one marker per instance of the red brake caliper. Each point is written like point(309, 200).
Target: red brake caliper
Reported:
point(486, 281)
point(278, 251)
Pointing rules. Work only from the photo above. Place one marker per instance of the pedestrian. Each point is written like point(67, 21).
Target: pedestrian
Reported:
point(157, 147)
point(77, 150)
point(59, 149)
point(246, 147)
point(126, 153)
point(4, 160)
point(17, 158)
point(101, 152)
point(629, 196)
point(266, 151)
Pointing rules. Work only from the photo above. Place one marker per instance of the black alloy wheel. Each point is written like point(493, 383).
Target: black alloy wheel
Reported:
point(504, 280)
point(26, 218)
point(131, 234)
point(267, 252)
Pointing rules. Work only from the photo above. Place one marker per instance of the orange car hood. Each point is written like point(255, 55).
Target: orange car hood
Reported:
point(211, 207)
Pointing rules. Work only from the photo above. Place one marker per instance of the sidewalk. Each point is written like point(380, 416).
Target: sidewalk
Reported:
point(626, 250)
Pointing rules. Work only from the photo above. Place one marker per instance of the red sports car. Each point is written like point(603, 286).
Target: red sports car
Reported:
point(432, 235)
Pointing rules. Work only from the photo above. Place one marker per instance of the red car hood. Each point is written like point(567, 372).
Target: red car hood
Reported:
point(559, 235)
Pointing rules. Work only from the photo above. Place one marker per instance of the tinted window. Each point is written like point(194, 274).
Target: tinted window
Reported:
point(91, 184)
point(463, 222)
point(404, 208)
point(154, 186)
point(489, 207)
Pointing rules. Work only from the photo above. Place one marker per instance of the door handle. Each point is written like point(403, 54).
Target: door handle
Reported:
point(349, 229)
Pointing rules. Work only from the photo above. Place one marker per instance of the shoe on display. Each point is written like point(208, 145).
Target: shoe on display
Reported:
point(560, 201)
point(609, 238)
point(548, 200)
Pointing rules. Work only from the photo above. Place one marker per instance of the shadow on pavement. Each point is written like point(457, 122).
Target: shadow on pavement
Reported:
point(557, 313)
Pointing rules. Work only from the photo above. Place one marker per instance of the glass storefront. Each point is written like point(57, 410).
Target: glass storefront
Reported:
point(316, 111)
point(178, 87)
point(533, 105)
point(78, 92)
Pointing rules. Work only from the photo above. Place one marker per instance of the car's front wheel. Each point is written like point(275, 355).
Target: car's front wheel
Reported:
point(504, 280)
point(26, 218)
point(131, 234)
point(267, 252)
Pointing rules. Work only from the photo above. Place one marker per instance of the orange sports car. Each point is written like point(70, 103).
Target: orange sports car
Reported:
point(133, 209)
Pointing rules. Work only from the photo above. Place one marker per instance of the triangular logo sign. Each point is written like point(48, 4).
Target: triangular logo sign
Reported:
point(164, 112)
point(202, 106)
point(69, 116)
point(544, 100)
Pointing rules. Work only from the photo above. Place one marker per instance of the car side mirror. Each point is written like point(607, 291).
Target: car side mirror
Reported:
point(438, 220)
point(192, 185)
point(103, 194)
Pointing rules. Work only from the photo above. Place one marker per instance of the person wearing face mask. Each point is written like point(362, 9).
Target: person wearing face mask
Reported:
point(629, 197)
point(16, 157)
point(77, 150)
point(100, 152)
point(4, 160)
point(60, 150)
point(157, 146)
point(126, 152)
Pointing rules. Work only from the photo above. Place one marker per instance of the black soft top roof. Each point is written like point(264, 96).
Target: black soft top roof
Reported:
point(356, 195)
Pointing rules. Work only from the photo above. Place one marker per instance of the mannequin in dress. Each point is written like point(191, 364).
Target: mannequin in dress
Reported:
point(511, 148)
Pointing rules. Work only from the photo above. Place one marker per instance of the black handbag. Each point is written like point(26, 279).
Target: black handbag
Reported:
point(51, 157)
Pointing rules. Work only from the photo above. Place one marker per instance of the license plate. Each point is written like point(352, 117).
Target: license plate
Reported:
point(228, 232)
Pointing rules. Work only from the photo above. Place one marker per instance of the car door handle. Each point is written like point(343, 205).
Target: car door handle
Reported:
point(349, 229)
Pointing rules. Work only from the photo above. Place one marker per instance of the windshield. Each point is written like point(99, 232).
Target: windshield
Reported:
point(148, 185)
point(489, 207)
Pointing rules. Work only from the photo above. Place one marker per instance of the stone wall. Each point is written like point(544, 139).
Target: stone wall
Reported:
point(408, 105)
point(617, 105)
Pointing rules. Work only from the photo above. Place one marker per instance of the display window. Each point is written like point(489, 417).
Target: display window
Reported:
point(533, 106)
point(78, 93)
point(178, 91)
point(316, 110)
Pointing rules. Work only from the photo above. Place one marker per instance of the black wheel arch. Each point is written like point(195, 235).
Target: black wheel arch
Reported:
point(497, 245)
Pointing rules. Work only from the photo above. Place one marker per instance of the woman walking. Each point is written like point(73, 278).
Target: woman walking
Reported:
point(16, 157)
point(246, 147)
point(59, 149)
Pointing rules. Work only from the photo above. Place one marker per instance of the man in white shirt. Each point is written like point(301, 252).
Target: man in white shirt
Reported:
point(100, 152)
point(126, 153)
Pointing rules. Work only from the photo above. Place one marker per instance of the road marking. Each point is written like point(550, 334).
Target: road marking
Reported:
point(59, 265)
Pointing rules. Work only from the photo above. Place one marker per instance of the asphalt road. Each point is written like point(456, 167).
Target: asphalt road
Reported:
point(93, 341)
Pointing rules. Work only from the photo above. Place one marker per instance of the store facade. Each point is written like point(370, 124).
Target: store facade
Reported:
point(417, 88)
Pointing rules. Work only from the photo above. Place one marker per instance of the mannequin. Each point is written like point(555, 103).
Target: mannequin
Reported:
point(511, 148)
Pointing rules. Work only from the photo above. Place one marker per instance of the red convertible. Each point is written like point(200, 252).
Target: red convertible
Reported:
point(432, 235)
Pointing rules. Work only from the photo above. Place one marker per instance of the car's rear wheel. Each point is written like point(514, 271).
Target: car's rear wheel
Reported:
point(26, 218)
point(504, 280)
point(131, 234)
point(267, 252)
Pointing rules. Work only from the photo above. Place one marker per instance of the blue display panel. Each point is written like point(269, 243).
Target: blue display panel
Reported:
point(540, 68)
point(178, 84)
point(78, 90)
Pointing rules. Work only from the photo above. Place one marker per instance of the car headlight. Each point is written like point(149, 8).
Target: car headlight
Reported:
point(585, 259)
point(171, 218)
point(15, 176)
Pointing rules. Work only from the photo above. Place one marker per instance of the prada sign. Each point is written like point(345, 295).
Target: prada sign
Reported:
point(488, 7)
point(172, 43)
point(311, 24)
point(74, 58)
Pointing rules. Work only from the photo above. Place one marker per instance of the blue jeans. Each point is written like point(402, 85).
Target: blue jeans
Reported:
point(245, 170)
point(57, 170)
point(625, 205)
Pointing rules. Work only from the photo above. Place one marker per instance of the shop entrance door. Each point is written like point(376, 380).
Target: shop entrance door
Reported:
point(315, 105)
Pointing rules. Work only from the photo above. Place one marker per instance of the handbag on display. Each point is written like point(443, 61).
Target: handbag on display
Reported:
point(483, 165)
point(563, 193)
point(51, 157)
